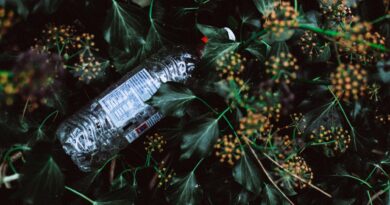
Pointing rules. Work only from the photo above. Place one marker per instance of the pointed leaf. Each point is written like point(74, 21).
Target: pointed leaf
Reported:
point(272, 196)
point(43, 181)
point(200, 139)
point(123, 196)
point(124, 26)
point(172, 99)
point(213, 33)
point(248, 174)
point(265, 7)
point(47, 6)
point(218, 45)
point(215, 50)
point(185, 190)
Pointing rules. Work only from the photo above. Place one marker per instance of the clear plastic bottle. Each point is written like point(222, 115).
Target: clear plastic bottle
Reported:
point(120, 115)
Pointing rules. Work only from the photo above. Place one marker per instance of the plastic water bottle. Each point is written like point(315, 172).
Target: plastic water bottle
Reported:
point(120, 115)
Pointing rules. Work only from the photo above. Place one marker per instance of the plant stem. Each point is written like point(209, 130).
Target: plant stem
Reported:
point(223, 113)
point(207, 105)
point(332, 33)
point(266, 172)
point(296, 5)
point(80, 195)
point(345, 116)
point(380, 19)
point(298, 177)
point(197, 165)
point(47, 118)
point(369, 197)
point(356, 178)
point(252, 38)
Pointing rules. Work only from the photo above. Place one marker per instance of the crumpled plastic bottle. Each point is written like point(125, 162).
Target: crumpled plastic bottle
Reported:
point(120, 115)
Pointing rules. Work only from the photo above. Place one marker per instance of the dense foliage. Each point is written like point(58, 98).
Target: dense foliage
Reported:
point(288, 104)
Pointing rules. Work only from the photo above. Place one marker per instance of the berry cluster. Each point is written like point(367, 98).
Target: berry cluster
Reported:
point(349, 81)
point(7, 88)
point(283, 17)
point(228, 149)
point(310, 44)
point(6, 20)
point(281, 146)
point(383, 119)
point(299, 122)
point(165, 176)
point(296, 165)
point(36, 78)
point(355, 42)
point(267, 102)
point(282, 67)
point(254, 125)
point(230, 67)
point(77, 50)
point(57, 39)
point(155, 142)
point(335, 138)
point(336, 11)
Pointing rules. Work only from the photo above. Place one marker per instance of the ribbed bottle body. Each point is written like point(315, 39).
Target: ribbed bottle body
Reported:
point(120, 114)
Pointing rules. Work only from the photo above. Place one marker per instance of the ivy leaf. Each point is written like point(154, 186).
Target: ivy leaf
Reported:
point(185, 190)
point(155, 38)
point(248, 174)
point(213, 33)
point(123, 196)
point(119, 182)
point(272, 196)
point(123, 61)
point(218, 45)
point(200, 139)
point(124, 26)
point(172, 99)
point(214, 51)
point(142, 3)
point(47, 6)
point(265, 7)
point(259, 50)
point(25, 7)
point(242, 198)
point(42, 181)
point(324, 56)
point(384, 75)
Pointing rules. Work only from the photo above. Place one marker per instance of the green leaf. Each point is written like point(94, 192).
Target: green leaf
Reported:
point(155, 38)
point(218, 45)
point(172, 99)
point(248, 174)
point(215, 50)
point(324, 56)
point(122, 196)
point(242, 198)
point(185, 190)
point(124, 61)
point(383, 73)
point(265, 7)
point(259, 49)
point(119, 182)
point(200, 139)
point(25, 7)
point(42, 181)
point(47, 6)
point(213, 33)
point(272, 196)
point(142, 3)
point(124, 26)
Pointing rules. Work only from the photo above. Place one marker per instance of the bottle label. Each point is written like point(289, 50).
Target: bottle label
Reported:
point(143, 127)
point(124, 102)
